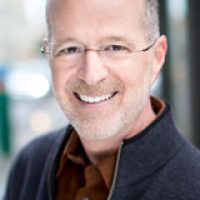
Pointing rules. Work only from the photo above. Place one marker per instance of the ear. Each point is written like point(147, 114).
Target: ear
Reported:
point(45, 46)
point(159, 56)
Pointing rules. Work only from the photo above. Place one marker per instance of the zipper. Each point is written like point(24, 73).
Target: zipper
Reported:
point(50, 182)
point(116, 172)
point(113, 182)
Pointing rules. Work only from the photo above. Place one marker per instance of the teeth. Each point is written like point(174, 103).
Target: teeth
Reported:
point(96, 99)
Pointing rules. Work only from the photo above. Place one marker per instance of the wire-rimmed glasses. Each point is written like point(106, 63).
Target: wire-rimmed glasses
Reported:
point(109, 53)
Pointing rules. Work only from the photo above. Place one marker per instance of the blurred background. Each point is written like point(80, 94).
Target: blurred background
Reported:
point(27, 105)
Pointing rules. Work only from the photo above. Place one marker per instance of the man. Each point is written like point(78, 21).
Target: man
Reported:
point(122, 144)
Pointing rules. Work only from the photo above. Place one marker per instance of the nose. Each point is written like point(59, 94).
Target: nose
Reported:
point(92, 70)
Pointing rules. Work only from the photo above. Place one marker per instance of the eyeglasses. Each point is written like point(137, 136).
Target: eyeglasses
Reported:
point(109, 53)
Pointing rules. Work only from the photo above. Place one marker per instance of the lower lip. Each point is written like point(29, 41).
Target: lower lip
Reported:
point(83, 103)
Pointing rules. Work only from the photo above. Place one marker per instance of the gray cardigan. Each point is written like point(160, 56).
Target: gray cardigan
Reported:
point(157, 164)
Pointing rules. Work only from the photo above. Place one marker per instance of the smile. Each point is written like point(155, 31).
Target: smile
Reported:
point(95, 99)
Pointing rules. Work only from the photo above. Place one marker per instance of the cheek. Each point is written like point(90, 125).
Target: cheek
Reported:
point(57, 79)
point(60, 76)
point(132, 76)
point(135, 78)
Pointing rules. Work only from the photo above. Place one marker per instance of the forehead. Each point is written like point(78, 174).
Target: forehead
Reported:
point(95, 17)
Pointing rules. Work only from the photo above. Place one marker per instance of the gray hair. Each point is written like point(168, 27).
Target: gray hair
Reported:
point(48, 24)
point(151, 19)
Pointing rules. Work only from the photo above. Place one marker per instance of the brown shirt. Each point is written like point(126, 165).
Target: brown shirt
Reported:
point(78, 179)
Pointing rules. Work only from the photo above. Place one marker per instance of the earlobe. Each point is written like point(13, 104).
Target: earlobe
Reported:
point(159, 56)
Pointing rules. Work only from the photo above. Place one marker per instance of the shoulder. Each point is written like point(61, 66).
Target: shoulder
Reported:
point(44, 143)
point(187, 165)
point(186, 162)
point(29, 165)
point(180, 177)
point(39, 149)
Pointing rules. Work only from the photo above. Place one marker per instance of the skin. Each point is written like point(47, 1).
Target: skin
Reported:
point(102, 126)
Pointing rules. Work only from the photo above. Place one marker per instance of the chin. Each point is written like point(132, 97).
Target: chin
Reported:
point(95, 131)
point(100, 129)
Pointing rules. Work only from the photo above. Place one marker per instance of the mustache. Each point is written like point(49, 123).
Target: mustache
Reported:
point(82, 87)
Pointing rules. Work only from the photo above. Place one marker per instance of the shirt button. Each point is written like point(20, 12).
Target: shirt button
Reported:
point(85, 198)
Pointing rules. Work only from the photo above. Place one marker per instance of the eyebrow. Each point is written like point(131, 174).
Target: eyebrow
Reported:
point(106, 39)
point(64, 41)
point(121, 39)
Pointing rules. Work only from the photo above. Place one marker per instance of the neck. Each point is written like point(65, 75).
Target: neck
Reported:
point(101, 149)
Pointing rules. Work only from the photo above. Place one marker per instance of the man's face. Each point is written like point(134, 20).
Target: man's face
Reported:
point(101, 99)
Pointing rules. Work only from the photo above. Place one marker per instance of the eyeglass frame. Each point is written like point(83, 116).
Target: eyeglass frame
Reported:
point(83, 51)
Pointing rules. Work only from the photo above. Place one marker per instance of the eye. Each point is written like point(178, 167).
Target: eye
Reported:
point(70, 50)
point(115, 47)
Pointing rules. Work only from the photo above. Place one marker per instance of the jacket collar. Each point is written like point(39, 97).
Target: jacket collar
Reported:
point(145, 153)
